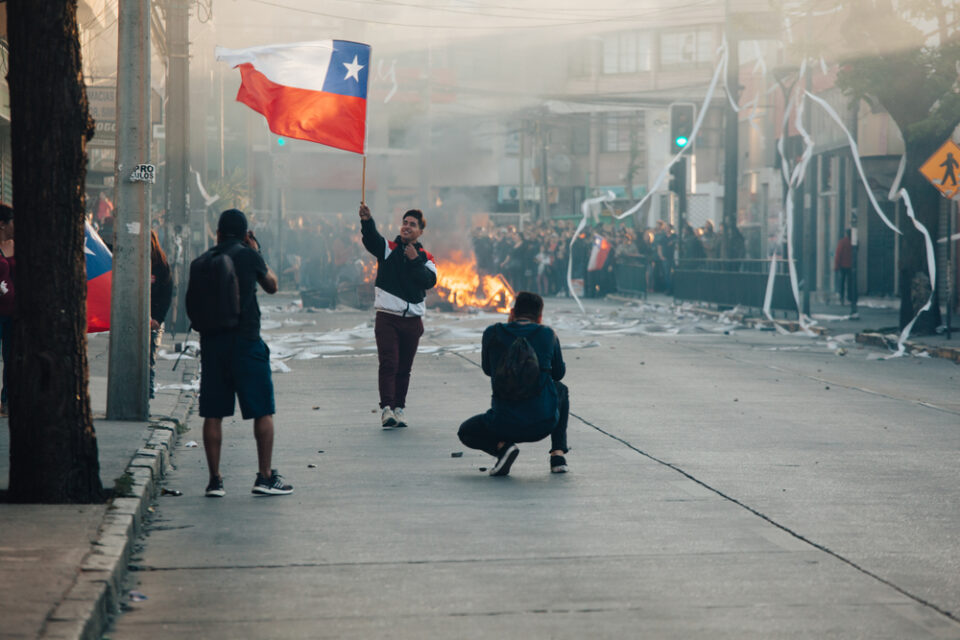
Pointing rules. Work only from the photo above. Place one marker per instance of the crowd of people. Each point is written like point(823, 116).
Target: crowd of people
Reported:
point(323, 252)
point(536, 257)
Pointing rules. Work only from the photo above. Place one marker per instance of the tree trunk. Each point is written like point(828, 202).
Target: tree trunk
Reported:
point(53, 447)
point(914, 280)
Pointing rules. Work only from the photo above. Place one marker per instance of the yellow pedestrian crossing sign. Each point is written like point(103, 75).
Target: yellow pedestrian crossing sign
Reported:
point(941, 169)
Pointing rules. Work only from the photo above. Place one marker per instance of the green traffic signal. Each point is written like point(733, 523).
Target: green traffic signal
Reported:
point(281, 141)
point(681, 141)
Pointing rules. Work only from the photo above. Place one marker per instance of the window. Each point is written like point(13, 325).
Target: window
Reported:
point(690, 47)
point(627, 52)
point(619, 131)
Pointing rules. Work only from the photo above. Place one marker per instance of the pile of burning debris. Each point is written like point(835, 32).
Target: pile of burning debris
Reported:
point(460, 287)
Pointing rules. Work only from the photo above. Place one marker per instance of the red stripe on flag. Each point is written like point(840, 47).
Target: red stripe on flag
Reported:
point(98, 302)
point(327, 118)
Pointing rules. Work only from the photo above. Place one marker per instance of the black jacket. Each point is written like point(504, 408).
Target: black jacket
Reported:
point(401, 284)
point(538, 415)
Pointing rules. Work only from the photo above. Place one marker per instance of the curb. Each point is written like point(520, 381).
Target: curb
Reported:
point(889, 341)
point(90, 604)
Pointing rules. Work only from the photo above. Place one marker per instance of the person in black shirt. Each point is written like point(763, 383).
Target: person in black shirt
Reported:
point(236, 363)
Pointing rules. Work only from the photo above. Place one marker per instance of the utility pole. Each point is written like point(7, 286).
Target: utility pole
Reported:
point(731, 139)
point(809, 202)
point(177, 130)
point(128, 379)
point(854, 202)
point(544, 182)
point(520, 178)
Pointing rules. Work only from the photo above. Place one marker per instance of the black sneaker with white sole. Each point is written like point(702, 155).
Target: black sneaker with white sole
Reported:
point(272, 486)
point(508, 454)
point(558, 464)
point(215, 488)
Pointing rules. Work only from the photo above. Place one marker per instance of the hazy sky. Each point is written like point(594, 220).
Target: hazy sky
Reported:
point(414, 23)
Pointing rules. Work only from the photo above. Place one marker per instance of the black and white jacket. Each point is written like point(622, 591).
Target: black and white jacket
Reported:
point(401, 283)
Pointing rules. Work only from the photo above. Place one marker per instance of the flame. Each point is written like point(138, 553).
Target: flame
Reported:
point(459, 283)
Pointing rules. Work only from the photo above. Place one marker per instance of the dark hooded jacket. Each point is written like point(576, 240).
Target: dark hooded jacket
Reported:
point(537, 416)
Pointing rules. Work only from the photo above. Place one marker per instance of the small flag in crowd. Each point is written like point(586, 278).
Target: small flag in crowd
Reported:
point(99, 281)
point(598, 253)
point(314, 91)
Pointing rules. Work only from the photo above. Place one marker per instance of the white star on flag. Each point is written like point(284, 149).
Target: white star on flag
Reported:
point(353, 69)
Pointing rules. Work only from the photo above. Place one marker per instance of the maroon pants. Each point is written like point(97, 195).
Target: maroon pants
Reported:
point(397, 340)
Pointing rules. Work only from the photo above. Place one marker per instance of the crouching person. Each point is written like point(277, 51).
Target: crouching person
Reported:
point(529, 403)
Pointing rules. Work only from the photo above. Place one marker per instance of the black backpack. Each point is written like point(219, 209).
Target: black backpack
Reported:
point(517, 376)
point(213, 292)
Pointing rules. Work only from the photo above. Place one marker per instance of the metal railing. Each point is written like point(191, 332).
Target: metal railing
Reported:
point(733, 282)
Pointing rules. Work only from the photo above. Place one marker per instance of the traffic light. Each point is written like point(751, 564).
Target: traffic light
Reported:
point(681, 125)
point(678, 177)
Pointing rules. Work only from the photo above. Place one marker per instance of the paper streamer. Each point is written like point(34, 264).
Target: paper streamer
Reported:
point(896, 193)
point(585, 209)
point(931, 272)
point(721, 65)
point(855, 152)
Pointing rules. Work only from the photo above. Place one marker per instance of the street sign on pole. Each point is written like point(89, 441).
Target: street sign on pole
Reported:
point(941, 169)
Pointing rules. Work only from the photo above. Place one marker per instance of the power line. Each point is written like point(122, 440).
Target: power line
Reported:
point(629, 18)
point(480, 9)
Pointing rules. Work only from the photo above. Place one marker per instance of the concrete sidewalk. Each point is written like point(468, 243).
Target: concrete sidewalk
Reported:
point(61, 566)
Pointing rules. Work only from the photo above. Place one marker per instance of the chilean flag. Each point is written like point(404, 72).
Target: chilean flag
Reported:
point(598, 253)
point(314, 91)
point(99, 281)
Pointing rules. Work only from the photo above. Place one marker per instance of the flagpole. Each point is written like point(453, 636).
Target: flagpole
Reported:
point(363, 182)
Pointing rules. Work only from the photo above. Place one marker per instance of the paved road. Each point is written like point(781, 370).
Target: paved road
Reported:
point(725, 483)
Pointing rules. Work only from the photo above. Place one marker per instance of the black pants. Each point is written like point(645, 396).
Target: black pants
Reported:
point(843, 286)
point(478, 433)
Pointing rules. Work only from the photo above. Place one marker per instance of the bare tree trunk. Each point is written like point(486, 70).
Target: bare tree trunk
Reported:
point(53, 448)
point(914, 280)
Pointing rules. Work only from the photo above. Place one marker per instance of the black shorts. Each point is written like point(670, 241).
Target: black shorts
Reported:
point(234, 366)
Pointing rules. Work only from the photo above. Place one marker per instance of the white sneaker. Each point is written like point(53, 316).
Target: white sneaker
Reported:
point(387, 419)
point(398, 414)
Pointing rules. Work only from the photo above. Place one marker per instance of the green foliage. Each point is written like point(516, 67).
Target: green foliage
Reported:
point(905, 60)
point(123, 485)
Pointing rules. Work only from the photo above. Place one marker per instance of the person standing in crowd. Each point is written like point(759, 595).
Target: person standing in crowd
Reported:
point(404, 273)
point(510, 420)
point(842, 265)
point(161, 293)
point(104, 208)
point(7, 299)
point(235, 362)
point(107, 232)
point(691, 246)
point(710, 241)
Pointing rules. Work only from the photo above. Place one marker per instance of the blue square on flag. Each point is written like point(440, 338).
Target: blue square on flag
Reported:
point(347, 73)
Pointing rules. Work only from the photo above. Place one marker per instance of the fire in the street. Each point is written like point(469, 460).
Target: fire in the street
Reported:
point(459, 283)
